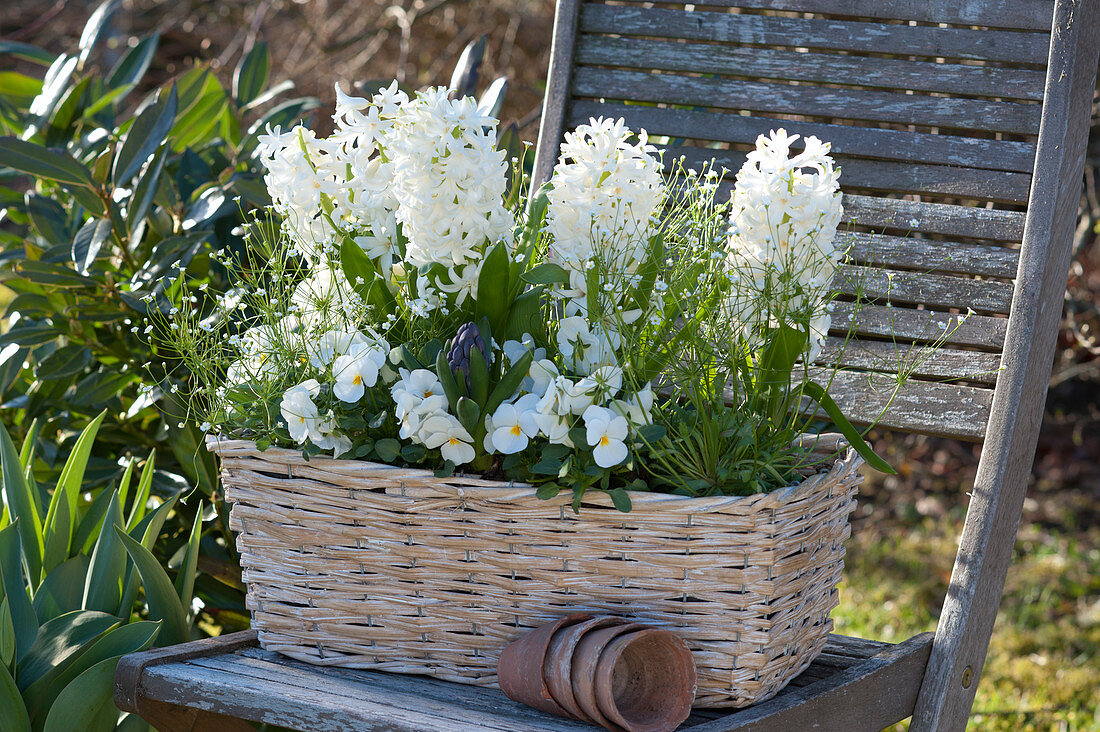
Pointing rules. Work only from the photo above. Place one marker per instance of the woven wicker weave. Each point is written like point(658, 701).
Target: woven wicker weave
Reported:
point(363, 565)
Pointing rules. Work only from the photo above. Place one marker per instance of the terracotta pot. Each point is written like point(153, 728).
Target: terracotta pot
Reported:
point(645, 681)
point(519, 669)
point(558, 668)
point(586, 658)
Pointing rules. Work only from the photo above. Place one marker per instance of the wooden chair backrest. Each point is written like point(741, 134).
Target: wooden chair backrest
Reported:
point(936, 144)
point(961, 127)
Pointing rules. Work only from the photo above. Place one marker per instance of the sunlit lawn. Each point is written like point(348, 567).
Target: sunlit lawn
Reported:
point(1043, 669)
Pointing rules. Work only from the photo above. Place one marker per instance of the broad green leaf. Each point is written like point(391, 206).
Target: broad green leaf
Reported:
point(12, 710)
point(7, 634)
point(87, 529)
point(59, 534)
point(493, 296)
point(141, 498)
point(19, 88)
point(124, 482)
point(479, 377)
point(56, 82)
point(59, 640)
point(22, 505)
point(62, 591)
point(164, 603)
point(193, 126)
point(87, 703)
point(446, 377)
point(72, 475)
point(97, 24)
point(45, 273)
point(621, 499)
point(37, 161)
point(507, 386)
point(493, 99)
point(250, 76)
point(185, 579)
point(814, 391)
point(64, 362)
point(88, 241)
point(27, 451)
point(547, 273)
point(41, 695)
point(146, 189)
point(146, 531)
point(103, 587)
point(130, 69)
point(148, 131)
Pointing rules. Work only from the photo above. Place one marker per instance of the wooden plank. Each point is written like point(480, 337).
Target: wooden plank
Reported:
point(927, 255)
point(558, 77)
point(934, 290)
point(839, 35)
point(831, 68)
point(919, 326)
point(923, 362)
point(869, 142)
point(1018, 14)
point(285, 695)
point(888, 176)
point(986, 545)
point(863, 698)
point(970, 222)
point(827, 103)
point(942, 410)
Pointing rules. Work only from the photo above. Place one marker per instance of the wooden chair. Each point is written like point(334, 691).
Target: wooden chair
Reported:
point(962, 183)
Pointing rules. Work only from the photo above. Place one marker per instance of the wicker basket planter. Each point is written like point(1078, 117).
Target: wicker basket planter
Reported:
point(364, 565)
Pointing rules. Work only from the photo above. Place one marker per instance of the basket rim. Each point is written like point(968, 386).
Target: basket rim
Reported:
point(473, 486)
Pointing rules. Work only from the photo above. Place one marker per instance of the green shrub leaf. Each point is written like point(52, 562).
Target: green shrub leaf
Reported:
point(250, 76)
point(148, 131)
point(37, 161)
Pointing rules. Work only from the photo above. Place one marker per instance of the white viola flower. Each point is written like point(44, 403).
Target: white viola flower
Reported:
point(332, 344)
point(444, 431)
point(358, 369)
point(602, 384)
point(585, 349)
point(605, 197)
point(303, 421)
point(637, 408)
point(418, 391)
point(539, 377)
point(515, 350)
point(606, 433)
point(514, 425)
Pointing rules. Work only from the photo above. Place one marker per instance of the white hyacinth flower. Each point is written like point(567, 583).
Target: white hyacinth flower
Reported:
point(606, 433)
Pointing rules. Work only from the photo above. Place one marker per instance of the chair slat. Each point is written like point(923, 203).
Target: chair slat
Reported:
point(868, 142)
point(926, 255)
point(944, 410)
point(904, 324)
point(969, 222)
point(830, 103)
point(919, 361)
point(1013, 47)
point(771, 63)
point(918, 288)
point(1013, 14)
point(889, 176)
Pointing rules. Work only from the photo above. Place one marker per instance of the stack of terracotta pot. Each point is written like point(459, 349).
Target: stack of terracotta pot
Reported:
point(604, 670)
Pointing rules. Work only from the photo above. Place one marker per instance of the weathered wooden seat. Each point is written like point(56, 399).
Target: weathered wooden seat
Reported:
point(961, 130)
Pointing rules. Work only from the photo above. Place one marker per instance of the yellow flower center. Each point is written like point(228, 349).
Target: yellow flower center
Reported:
point(302, 420)
point(604, 441)
point(454, 441)
point(515, 430)
point(357, 380)
point(427, 393)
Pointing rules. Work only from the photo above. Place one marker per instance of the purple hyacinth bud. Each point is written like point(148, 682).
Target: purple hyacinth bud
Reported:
point(466, 339)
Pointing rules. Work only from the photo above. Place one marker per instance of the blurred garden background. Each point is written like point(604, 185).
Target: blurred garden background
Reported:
point(69, 350)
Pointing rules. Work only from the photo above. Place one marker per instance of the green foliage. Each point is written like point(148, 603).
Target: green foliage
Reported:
point(111, 189)
point(66, 620)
